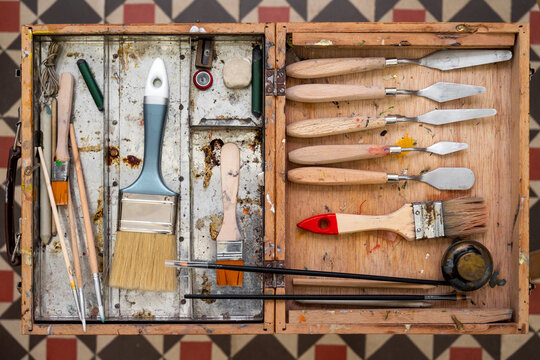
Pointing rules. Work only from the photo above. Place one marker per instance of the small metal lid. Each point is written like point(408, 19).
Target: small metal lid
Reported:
point(202, 79)
point(467, 265)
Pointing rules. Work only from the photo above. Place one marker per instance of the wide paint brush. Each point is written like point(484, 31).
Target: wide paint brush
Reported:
point(441, 60)
point(416, 221)
point(229, 240)
point(146, 230)
point(60, 168)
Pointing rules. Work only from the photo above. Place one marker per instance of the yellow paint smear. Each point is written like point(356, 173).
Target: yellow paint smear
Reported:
point(405, 142)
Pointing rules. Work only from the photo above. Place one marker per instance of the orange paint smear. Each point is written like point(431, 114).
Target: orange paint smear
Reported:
point(375, 248)
point(405, 142)
point(246, 211)
point(301, 319)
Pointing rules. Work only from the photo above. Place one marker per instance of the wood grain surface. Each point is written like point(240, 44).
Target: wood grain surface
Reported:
point(494, 156)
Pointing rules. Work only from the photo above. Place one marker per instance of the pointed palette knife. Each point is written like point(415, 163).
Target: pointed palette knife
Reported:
point(342, 125)
point(328, 154)
point(229, 240)
point(441, 60)
point(444, 178)
point(316, 93)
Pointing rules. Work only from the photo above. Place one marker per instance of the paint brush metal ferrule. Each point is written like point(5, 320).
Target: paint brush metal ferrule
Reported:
point(428, 220)
point(60, 170)
point(229, 250)
point(97, 286)
point(148, 213)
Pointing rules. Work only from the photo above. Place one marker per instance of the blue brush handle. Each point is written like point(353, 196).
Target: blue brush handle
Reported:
point(150, 181)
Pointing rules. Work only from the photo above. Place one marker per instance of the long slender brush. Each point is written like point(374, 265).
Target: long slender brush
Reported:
point(89, 232)
point(67, 262)
point(443, 297)
point(146, 231)
point(286, 271)
point(416, 221)
point(76, 258)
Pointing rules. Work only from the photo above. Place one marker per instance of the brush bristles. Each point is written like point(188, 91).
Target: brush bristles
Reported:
point(139, 262)
point(60, 191)
point(229, 277)
point(464, 216)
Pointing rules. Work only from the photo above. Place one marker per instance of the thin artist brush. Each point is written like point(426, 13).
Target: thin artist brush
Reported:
point(69, 269)
point(285, 271)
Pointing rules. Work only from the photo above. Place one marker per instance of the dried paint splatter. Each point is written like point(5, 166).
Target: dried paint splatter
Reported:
point(405, 142)
point(375, 248)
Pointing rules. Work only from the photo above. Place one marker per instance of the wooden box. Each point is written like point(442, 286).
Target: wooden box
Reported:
point(498, 155)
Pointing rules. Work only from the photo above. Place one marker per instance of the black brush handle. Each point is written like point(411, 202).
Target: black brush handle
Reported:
point(332, 274)
point(443, 297)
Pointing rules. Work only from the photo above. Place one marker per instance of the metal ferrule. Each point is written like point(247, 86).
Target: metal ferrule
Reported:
point(60, 170)
point(76, 297)
point(428, 220)
point(392, 177)
point(391, 119)
point(230, 250)
point(148, 213)
point(97, 286)
point(394, 149)
point(390, 62)
point(390, 91)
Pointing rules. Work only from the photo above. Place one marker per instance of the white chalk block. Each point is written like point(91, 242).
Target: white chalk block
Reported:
point(237, 73)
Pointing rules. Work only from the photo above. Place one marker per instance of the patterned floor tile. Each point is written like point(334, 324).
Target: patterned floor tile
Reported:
point(319, 347)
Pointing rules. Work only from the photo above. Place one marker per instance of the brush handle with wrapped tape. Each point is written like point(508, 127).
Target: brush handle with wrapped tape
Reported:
point(229, 240)
point(60, 168)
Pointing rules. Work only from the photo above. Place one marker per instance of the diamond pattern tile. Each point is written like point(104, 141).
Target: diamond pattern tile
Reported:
point(15, 346)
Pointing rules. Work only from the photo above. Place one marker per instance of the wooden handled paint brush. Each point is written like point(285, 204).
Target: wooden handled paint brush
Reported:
point(146, 230)
point(60, 168)
point(229, 240)
point(416, 221)
point(88, 231)
point(67, 263)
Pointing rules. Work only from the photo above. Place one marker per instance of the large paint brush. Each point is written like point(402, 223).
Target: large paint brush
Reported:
point(146, 230)
point(416, 221)
point(229, 240)
point(60, 168)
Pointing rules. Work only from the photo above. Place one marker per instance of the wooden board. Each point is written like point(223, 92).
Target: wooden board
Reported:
point(496, 154)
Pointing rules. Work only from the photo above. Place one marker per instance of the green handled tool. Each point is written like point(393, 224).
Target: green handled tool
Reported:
point(91, 83)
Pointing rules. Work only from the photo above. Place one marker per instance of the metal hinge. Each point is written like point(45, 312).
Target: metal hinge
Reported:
point(274, 82)
point(274, 280)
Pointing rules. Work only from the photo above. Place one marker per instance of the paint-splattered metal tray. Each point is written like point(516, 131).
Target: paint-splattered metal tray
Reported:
point(111, 148)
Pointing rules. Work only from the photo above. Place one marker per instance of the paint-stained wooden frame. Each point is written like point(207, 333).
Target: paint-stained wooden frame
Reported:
point(29, 326)
point(320, 40)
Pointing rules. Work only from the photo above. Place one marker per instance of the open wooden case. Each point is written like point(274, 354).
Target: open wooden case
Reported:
point(271, 208)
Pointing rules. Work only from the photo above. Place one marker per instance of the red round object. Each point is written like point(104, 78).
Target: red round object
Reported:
point(203, 79)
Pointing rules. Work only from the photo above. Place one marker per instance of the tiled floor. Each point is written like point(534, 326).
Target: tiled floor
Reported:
point(335, 347)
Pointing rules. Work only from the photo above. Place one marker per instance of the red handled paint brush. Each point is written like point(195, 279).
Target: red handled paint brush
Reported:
point(416, 221)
